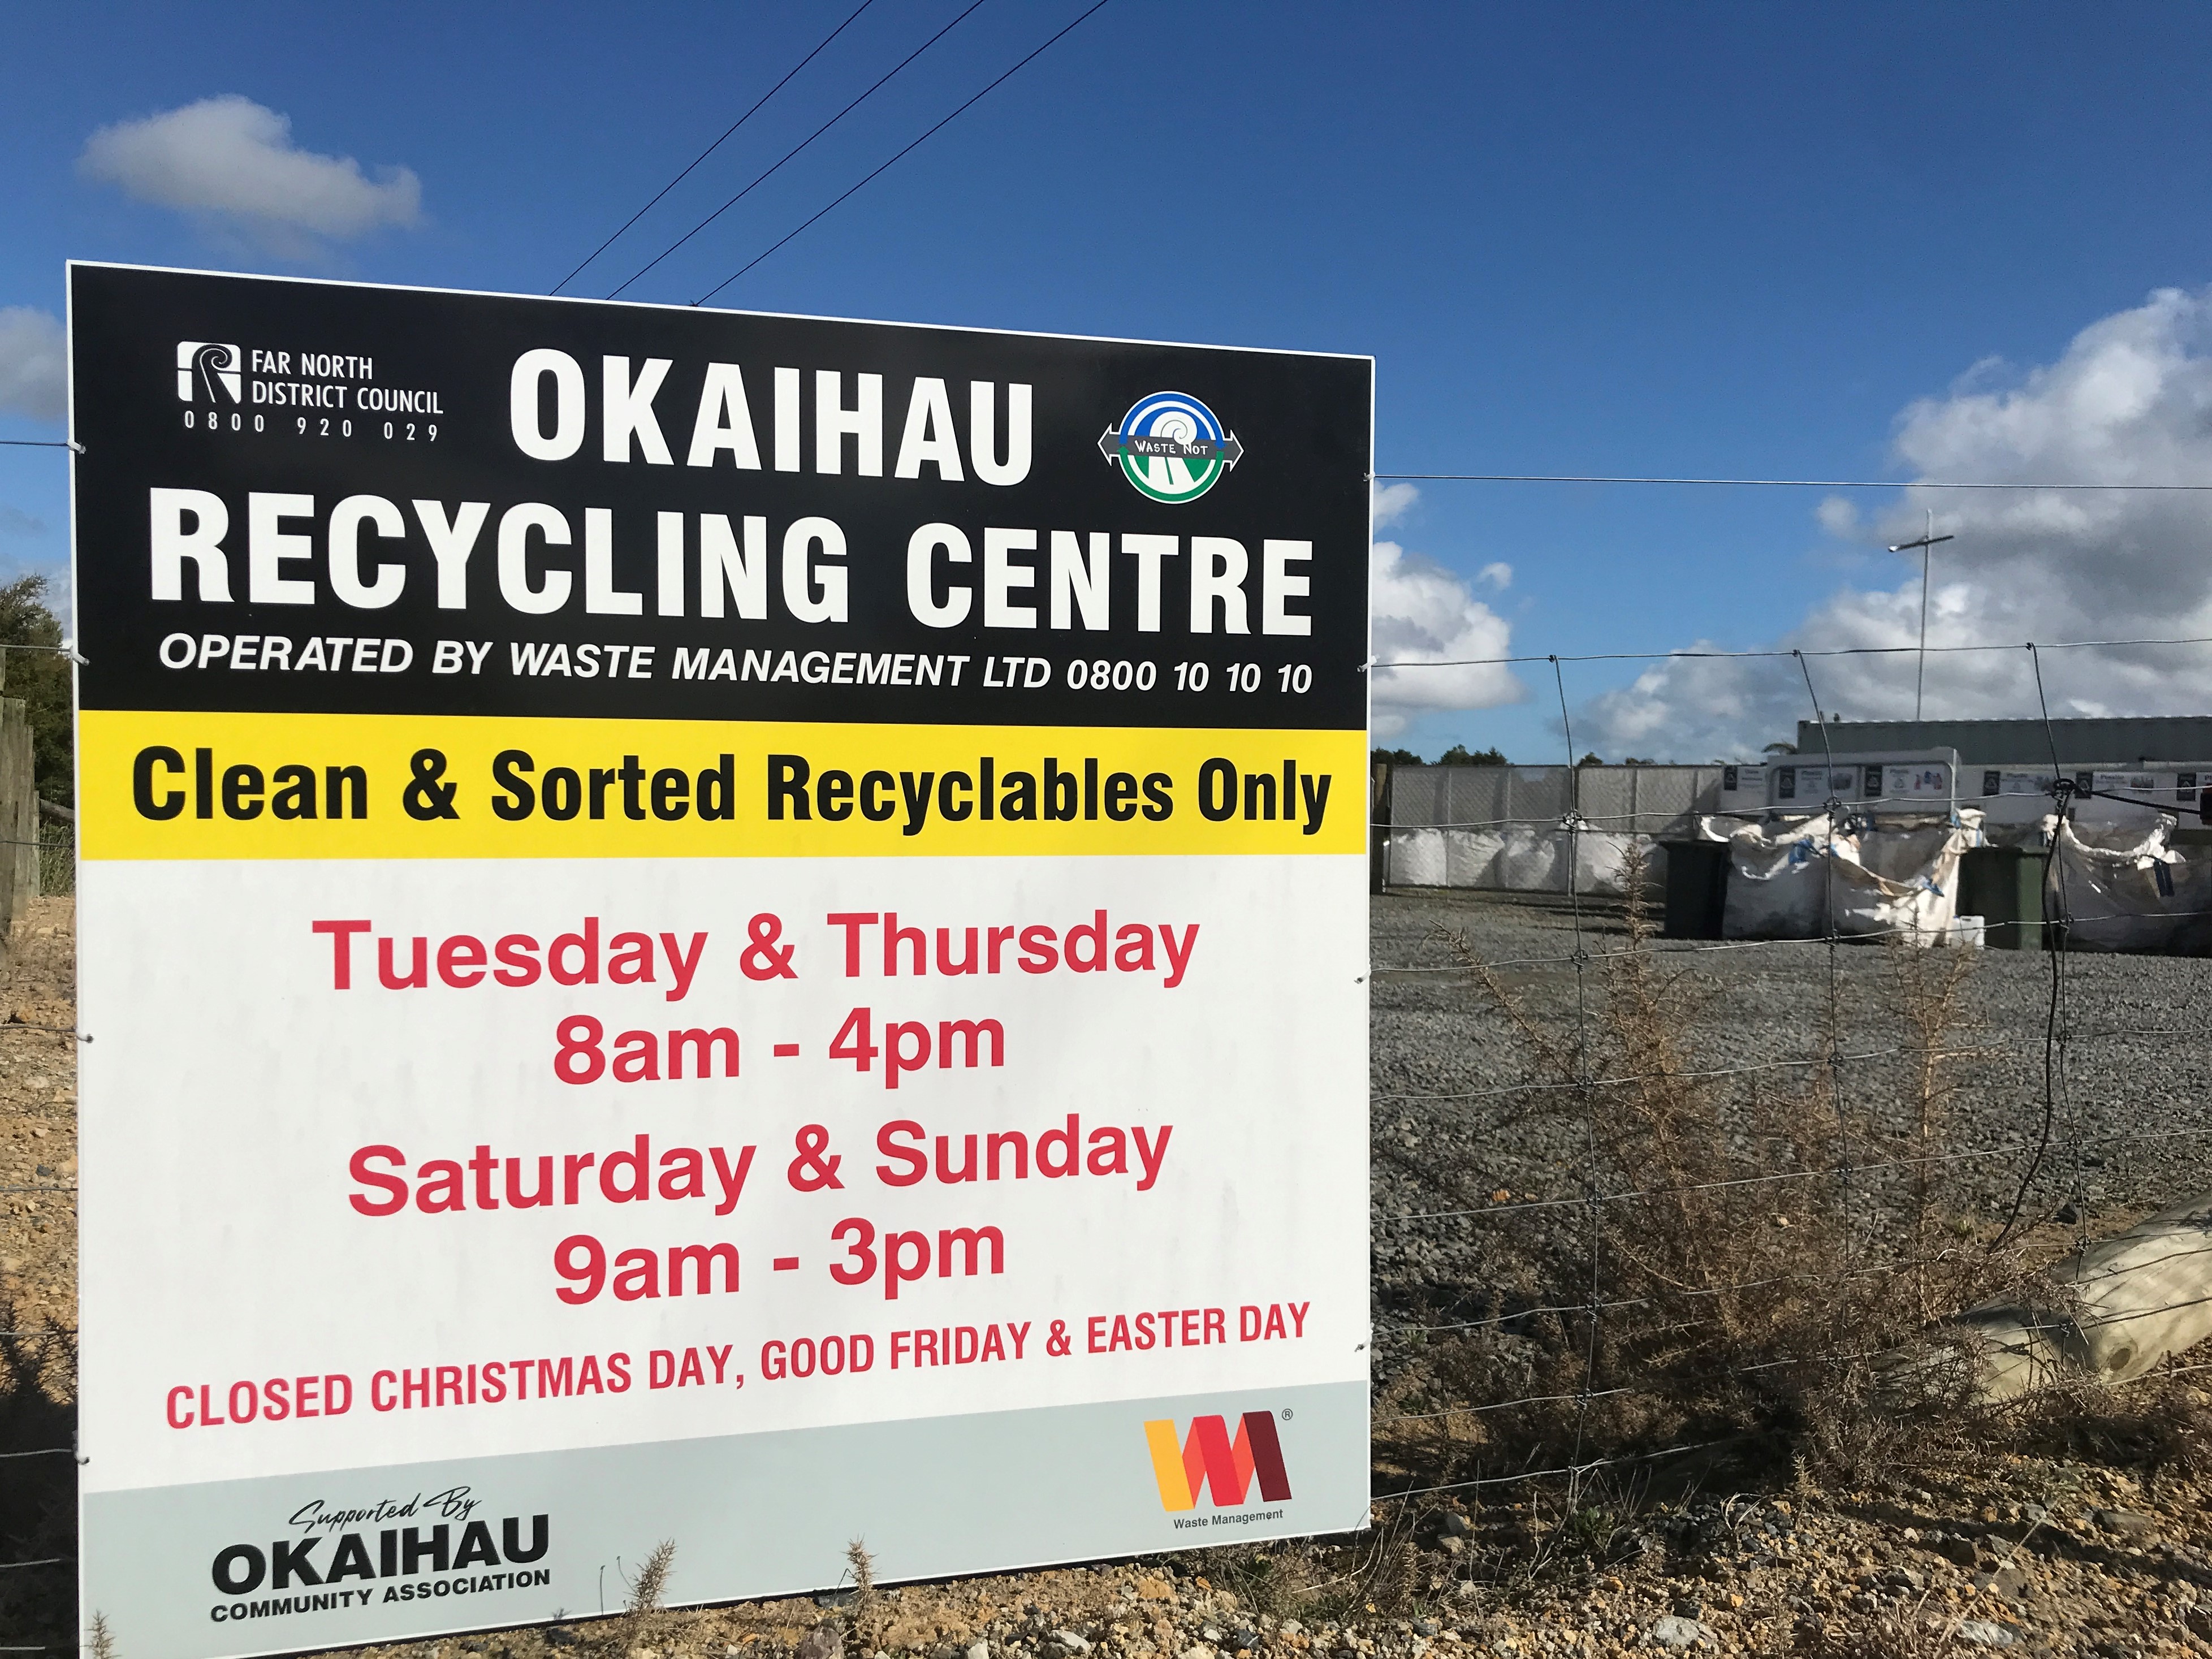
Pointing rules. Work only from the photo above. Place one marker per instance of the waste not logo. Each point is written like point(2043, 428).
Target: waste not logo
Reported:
point(1170, 447)
point(209, 371)
point(1210, 1458)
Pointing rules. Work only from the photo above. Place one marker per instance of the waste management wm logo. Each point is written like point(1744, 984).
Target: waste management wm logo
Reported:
point(209, 371)
point(1170, 447)
point(1210, 1459)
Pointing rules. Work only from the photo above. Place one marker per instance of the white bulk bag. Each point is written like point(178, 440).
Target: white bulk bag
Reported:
point(1469, 856)
point(1531, 862)
point(1793, 881)
point(1417, 858)
point(2120, 887)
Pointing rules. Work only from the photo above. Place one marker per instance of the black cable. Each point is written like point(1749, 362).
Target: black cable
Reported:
point(1766, 483)
point(2054, 1046)
point(1832, 650)
point(716, 145)
point(801, 145)
point(886, 166)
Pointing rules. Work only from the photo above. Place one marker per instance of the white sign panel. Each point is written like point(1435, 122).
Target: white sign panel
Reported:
point(738, 929)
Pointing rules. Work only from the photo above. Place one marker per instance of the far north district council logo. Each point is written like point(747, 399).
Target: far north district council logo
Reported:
point(1169, 446)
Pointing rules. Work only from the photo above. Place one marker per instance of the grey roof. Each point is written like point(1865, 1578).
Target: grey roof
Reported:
point(2143, 740)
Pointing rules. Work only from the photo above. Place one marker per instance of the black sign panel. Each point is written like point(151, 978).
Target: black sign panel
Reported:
point(320, 496)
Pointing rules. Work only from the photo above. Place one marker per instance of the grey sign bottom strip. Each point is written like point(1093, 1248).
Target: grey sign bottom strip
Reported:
point(417, 1549)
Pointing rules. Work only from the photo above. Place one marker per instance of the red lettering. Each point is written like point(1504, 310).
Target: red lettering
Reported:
point(518, 966)
point(915, 1163)
point(341, 935)
point(392, 1187)
point(1039, 955)
point(461, 961)
point(852, 922)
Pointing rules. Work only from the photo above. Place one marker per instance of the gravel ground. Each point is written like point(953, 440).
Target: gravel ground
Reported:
point(2060, 1554)
point(2132, 1129)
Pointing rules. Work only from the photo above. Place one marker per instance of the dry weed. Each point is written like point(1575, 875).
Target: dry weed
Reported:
point(866, 1612)
point(1282, 1580)
point(2158, 1424)
point(1769, 1282)
point(641, 1612)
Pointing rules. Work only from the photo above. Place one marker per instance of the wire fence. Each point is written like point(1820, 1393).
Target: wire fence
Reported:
point(1593, 1289)
point(1592, 1233)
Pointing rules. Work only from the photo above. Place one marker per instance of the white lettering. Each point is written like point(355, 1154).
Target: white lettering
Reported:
point(929, 435)
point(1278, 585)
point(1218, 568)
point(346, 520)
point(799, 575)
point(833, 422)
point(982, 422)
point(722, 564)
point(920, 579)
point(568, 434)
point(1001, 577)
point(1076, 587)
point(514, 527)
point(668, 583)
point(172, 544)
point(269, 547)
point(786, 420)
point(601, 597)
point(627, 409)
point(451, 544)
point(1150, 552)
point(725, 422)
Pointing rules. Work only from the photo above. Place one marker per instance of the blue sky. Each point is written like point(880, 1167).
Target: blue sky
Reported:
point(1702, 239)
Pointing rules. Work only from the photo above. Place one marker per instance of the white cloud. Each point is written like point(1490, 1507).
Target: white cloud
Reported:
point(1393, 502)
point(33, 381)
point(1497, 573)
point(1838, 517)
point(1424, 613)
point(2130, 401)
point(233, 160)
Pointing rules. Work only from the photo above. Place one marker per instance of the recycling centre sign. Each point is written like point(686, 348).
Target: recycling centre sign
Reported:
point(741, 929)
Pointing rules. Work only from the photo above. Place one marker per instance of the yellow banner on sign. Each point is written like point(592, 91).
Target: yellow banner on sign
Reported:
point(242, 785)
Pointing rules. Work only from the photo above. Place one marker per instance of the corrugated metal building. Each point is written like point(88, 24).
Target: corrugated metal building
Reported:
point(2141, 741)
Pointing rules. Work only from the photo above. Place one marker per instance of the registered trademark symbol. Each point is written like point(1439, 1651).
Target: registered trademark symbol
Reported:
point(1287, 1416)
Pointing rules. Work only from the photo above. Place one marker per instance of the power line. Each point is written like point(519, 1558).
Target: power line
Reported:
point(908, 151)
point(1831, 651)
point(716, 145)
point(1766, 483)
point(802, 144)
